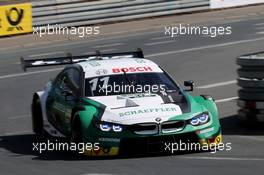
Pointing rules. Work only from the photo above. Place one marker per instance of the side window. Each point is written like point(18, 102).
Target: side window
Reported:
point(74, 75)
point(61, 85)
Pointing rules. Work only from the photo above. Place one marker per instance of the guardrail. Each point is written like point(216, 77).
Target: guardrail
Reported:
point(251, 81)
point(78, 12)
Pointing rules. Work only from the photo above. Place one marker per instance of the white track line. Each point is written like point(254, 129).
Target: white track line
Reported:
point(46, 54)
point(28, 73)
point(13, 47)
point(160, 38)
point(19, 117)
point(108, 45)
point(217, 84)
point(260, 33)
point(226, 158)
point(260, 28)
point(255, 138)
point(17, 133)
point(159, 43)
point(205, 47)
point(226, 100)
point(38, 43)
point(259, 24)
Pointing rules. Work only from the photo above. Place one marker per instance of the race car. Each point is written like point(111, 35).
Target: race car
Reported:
point(121, 101)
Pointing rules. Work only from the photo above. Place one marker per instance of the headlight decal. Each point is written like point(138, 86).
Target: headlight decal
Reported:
point(200, 119)
point(117, 128)
point(106, 127)
point(203, 118)
point(195, 121)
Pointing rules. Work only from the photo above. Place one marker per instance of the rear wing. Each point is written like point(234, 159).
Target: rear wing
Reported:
point(70, 59)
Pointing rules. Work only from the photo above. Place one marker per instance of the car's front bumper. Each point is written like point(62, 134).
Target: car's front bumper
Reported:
point(111, 146)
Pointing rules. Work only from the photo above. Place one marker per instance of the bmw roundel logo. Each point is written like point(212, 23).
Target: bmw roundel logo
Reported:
point(158, 119)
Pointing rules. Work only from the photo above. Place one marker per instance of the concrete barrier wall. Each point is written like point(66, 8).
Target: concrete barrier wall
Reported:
point(77, 13)
point(214, 4)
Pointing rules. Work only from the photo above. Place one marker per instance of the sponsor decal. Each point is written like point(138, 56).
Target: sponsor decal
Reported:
point(15, 19)
point(94, 63)
point(109, 139)
point(140, 61)
point(205, 130)
point(144, 111)
point(136, 95)
point(101, 72)
point(132, 69)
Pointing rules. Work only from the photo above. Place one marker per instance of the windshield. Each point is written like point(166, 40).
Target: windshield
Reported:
point(129, 83)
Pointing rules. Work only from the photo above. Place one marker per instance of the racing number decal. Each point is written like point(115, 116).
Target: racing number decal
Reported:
point(94, 83)
point(15, 19)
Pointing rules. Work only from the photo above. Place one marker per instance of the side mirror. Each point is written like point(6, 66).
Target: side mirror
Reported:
point(189, 84)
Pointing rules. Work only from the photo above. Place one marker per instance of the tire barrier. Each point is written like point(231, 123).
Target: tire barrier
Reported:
point(251, 83)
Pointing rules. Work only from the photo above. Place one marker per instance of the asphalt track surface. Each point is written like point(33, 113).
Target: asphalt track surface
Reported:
point(208, 61)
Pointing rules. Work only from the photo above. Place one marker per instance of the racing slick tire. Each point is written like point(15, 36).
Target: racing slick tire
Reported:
point(251, 95)
point(251, 73)
point(251, 60)
point(250, 83)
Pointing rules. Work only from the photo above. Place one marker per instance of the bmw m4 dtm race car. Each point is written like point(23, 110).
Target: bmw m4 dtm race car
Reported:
point(121, 101)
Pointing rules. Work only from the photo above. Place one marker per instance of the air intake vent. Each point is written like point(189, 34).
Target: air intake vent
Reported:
point(145, 128)
point(172, 126)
